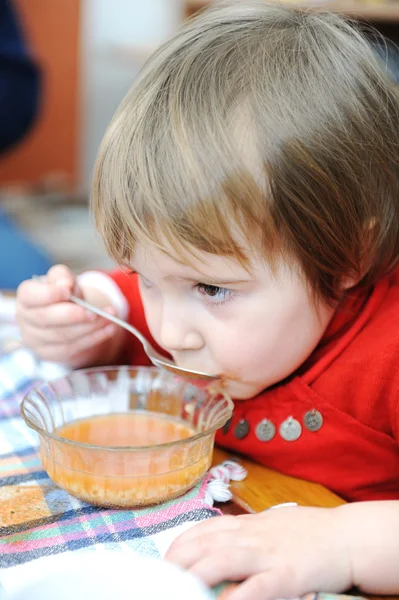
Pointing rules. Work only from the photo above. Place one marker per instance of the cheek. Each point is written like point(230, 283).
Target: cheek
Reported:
point(152, 311)
point(237, 352)
point(266, 350)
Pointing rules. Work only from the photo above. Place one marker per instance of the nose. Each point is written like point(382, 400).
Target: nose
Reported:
point(178, 330)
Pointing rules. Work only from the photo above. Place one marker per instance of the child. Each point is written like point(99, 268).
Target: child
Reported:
point(250, 183)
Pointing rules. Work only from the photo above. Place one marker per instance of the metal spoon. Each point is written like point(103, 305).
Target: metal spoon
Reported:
point(157, 359)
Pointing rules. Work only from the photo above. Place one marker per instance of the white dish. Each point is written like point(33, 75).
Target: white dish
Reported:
point(108, 575)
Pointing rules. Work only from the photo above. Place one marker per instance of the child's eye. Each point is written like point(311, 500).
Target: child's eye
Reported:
point(216, 294)
point(145, 282)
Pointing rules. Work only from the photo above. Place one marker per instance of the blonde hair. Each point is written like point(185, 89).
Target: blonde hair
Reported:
point(261, 122)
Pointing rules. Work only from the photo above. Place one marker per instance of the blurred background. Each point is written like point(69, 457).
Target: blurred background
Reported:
point(64, 67)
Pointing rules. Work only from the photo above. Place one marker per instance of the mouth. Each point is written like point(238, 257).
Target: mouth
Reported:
point(223, 376)
point(198, 368)
point(195, 368)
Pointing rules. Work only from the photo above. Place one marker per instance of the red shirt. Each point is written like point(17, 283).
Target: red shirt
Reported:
point(351, 379)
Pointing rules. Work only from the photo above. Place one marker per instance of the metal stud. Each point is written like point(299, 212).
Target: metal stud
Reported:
point(290, 429)
point(226, 426)
point(265, 430)
point(313, 420)
point(241, 430)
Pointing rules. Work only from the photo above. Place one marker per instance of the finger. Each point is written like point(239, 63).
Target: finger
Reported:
point(268, 585)
point(62, 314)
point(33, 293)
point(211, 526)
point(231, 564)
point(61, 275)
point(192, 552)
point(34, 335)
point(66, 353)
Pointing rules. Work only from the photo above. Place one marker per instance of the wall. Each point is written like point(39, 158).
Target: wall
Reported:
point(53, 29)
point(90, 51)
point(115, 37)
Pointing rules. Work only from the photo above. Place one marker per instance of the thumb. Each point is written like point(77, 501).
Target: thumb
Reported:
point(62, 276)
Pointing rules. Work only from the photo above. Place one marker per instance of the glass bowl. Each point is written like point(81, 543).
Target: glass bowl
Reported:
point(126, 476)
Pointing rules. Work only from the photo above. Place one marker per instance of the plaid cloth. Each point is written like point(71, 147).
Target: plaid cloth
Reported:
point(39, 520)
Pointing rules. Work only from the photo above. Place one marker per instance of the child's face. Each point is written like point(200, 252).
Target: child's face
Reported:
point(213, 316)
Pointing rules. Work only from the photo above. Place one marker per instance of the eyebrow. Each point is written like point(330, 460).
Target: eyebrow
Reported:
point(201, 279)
point(207, 279)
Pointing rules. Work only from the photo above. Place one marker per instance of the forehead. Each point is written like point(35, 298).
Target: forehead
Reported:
point(188, 264)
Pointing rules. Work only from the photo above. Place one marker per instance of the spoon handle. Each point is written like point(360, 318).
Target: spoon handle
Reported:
point(156, 358)
point(109, 317)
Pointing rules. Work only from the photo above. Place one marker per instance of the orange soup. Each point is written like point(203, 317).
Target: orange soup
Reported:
point(109, 473)
point(127, 429)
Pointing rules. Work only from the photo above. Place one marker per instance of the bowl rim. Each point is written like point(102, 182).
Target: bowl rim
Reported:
point(58, 438)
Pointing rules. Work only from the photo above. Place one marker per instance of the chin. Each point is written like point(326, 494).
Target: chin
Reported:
point(240, 390)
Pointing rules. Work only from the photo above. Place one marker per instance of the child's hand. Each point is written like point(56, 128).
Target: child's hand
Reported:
point(281, 553)
point(58, 330)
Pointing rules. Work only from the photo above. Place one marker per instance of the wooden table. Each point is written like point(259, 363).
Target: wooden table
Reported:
point(383, 10)
point(264, 487)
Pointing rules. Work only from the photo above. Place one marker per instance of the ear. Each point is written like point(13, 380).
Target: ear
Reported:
point(352, 280)
point(349, 282)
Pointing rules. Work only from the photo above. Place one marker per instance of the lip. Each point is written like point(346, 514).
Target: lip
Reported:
point(224, 376)
point(196, 367)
